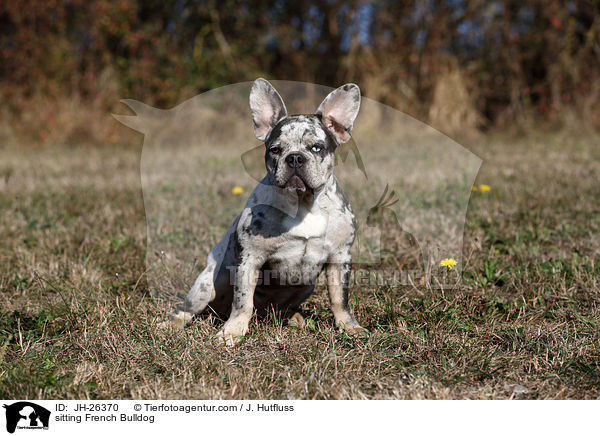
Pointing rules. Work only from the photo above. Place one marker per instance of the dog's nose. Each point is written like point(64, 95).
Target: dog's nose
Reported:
point(295, 160)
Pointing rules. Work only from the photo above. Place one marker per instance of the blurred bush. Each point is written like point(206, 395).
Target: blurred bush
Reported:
point(461, 64)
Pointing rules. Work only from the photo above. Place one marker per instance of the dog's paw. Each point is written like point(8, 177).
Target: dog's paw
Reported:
point(228, 339)
point(171, 325)
point(232, 333)
point(297, 321)
point(358, 330)
point(353, 328)
point(176, 322)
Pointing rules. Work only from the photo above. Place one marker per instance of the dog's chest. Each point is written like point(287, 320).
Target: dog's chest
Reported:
point(304, 245)
point(300, 252)
point(311, 226)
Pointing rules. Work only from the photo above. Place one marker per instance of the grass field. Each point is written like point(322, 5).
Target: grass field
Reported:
point(77, 319)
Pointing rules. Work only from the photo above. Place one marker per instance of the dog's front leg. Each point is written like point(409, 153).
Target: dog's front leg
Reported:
point(338, 277)
point(236, 326)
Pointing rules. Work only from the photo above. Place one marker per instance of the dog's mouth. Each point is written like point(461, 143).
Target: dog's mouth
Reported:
point(295, 183)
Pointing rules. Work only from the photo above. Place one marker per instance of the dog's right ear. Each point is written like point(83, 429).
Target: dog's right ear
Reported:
point(266, 106)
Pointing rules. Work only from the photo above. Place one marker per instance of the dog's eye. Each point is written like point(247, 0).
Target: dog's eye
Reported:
point(275, 150)
point(316, 148)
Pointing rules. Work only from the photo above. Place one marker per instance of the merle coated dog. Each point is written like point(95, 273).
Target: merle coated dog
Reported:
point(296, 223)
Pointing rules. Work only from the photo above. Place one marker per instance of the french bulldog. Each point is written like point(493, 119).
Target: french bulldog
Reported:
point(296, 223)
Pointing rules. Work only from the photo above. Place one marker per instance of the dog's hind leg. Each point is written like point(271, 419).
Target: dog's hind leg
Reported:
point(201, 294)
point(203, 291)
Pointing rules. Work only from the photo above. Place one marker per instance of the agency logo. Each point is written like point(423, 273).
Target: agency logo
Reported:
point(26, 415)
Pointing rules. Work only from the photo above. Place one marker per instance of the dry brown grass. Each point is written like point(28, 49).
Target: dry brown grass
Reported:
point(78, 320)
point(453, 108)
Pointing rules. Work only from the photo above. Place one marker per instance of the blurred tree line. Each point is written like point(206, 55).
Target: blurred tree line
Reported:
point(491, 63)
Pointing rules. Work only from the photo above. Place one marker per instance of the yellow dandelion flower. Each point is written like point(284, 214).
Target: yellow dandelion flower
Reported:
point(448, 263)
point(474, 189)
point(484, 188)
point(237, 190)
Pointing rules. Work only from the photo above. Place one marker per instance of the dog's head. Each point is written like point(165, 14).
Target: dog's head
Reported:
point(300, 149)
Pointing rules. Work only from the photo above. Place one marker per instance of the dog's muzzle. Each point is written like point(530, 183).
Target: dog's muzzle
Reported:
point(294, 160)
point(295, 182)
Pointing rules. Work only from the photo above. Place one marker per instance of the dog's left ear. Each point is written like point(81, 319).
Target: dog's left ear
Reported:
point(339, 110)
point(266, 106)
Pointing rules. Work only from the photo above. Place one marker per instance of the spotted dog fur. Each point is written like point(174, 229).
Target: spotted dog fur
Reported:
point(296, 222)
